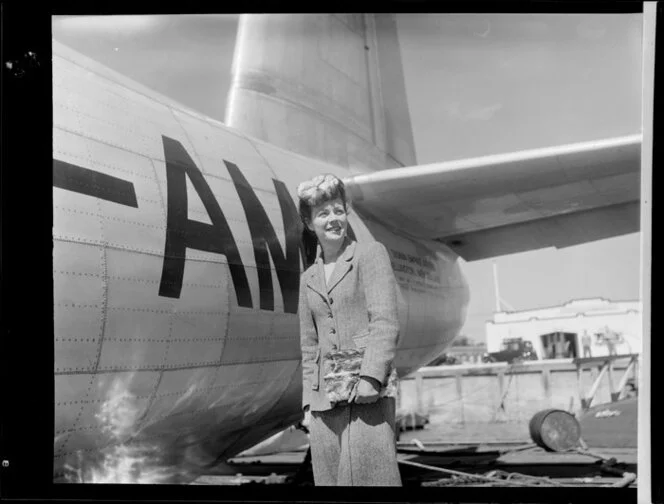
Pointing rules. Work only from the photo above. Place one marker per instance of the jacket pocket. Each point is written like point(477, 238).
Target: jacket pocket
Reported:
point(361, 339)
point(315, 379)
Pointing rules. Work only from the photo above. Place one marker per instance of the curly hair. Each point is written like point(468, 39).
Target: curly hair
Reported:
point(313, 192)
point(319, 189)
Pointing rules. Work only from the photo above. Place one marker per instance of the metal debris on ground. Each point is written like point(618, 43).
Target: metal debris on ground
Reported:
point(608, 465)
point(495, 478)
point(525, 478)
point(503, 478)
point(464, 475)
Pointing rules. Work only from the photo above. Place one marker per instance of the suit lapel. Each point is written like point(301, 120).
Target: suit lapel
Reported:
point(316, 279)
point(343, 266)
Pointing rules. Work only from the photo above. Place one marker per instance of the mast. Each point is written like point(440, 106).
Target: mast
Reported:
point(495, 285)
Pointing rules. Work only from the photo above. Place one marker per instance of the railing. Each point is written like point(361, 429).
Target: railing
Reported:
point(605, 364)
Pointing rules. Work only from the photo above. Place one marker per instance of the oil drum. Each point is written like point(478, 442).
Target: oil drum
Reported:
point(555, 430)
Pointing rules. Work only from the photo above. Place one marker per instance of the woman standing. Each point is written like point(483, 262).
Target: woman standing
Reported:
point(348, 334)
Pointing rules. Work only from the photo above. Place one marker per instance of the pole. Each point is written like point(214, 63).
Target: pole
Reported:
point(645, 452)
point(495, 285)
point(459, 391)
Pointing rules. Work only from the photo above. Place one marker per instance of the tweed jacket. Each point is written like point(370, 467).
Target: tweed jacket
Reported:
point(356, 309)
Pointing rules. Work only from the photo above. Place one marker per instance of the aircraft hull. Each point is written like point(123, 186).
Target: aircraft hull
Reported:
point(176, 267)
point(611, 425)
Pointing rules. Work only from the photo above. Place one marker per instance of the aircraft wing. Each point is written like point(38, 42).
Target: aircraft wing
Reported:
point(503, 204)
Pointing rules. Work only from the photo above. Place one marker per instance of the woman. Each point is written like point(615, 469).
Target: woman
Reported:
point(348, 310)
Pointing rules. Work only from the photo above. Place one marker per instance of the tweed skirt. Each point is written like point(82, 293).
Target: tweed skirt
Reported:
point(355, 445)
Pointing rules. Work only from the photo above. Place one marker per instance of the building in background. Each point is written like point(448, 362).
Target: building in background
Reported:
point(604, 326)
point(465, 354)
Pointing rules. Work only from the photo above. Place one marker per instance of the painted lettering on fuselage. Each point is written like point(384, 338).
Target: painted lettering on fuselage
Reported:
point(93, 183)
point(183, 233)
point(266, 243)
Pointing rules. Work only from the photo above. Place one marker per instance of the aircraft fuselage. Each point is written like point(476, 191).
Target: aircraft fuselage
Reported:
point(177, 256)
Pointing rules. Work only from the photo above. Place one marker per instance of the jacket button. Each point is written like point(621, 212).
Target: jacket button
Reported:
point(332, 331)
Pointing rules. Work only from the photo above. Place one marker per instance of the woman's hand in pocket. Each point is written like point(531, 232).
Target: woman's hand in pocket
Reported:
point(368, 390)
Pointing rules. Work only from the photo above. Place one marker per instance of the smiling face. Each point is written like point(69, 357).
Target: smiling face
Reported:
point(329, 221)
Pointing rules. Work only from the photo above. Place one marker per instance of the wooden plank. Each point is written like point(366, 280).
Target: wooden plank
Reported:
point(579, 382)
point(593, 361)
point(612, 391)
point(419, 391)
point(625, 377)
point(459, 389)
point(501, 383)
point(593, 390)
point(492, 368)
point(546, 383)
point(501, 389)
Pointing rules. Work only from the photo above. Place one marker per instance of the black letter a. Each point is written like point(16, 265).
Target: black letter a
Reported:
point(182, 233)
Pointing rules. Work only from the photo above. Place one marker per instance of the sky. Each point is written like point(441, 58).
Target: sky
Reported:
point(477, 84)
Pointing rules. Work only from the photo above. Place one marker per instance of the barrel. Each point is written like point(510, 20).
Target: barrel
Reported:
point(555, 430)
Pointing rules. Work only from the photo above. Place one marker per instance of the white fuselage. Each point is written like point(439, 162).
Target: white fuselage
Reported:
point(176, 264)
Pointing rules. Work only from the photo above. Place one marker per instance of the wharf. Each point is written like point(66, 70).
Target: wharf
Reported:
point(477, 454)
point(507, 446)
point(478, 432)
point(491, 393)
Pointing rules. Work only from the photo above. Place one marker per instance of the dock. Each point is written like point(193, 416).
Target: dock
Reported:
point(493, 392)
point(476, 433)
point(439, 464)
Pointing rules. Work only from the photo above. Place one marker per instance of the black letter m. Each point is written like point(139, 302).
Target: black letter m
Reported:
point(264, 238)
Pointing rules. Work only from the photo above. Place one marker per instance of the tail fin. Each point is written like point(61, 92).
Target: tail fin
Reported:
point(328, 86)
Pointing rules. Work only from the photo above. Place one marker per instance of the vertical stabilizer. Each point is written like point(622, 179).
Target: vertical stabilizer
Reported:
point(328, 86)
